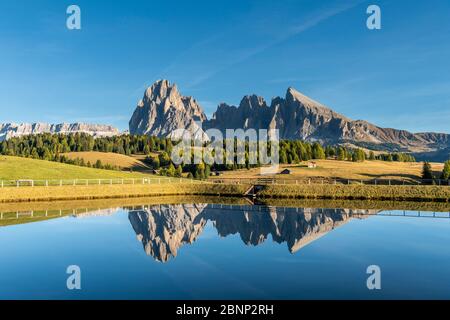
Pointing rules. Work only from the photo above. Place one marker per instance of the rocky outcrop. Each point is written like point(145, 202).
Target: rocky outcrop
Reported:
point(163, 229)
point(162, 110)
point(10, 130)
point(296, 116)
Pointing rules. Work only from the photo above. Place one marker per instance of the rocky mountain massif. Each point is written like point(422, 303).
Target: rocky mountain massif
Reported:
point(10, 130)
point(163, 229)
point(163, 109)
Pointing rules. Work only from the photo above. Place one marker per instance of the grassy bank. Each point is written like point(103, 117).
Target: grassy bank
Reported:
point(30, 194)
point(358, 192)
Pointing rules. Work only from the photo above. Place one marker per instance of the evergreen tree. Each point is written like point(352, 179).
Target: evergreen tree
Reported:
point(318, 152)
point(341, 154)
point(446, 172)
point(427, 173)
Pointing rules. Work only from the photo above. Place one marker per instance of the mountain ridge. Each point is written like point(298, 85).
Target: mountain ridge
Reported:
point(10, 130)
point(296, 116)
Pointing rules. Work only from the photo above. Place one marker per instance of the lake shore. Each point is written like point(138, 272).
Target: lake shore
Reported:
point(357, 192)
point(336, 192)
point(57, 193)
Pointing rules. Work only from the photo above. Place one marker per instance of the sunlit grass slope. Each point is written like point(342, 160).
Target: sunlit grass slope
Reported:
point(14, 168)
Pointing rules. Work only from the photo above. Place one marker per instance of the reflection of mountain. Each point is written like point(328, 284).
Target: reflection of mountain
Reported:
point(96, 213)
point(163, 229)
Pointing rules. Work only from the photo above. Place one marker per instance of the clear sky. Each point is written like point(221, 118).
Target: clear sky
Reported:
point(221, 50)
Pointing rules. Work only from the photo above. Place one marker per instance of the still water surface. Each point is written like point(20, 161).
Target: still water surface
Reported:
point(211, 251)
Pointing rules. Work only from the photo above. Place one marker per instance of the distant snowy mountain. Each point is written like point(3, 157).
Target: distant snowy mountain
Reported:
point(10, 130)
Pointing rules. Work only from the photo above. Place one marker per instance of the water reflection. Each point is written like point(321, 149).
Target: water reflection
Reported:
point(163, 229)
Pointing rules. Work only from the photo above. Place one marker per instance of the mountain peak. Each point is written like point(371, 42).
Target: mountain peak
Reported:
point(163, 110)
point(294, 95)
point(161, 89)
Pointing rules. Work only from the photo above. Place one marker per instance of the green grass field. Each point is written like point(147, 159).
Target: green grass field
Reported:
point(330, 169)
point(119, 160)
point(15, 168)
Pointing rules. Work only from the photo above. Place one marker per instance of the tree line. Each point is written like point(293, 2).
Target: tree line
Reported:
point(53, 147)
point(429, 177)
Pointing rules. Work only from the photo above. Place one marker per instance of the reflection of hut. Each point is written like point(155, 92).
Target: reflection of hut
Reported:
point(217, 173)
point(285, 171)
point(312, 165)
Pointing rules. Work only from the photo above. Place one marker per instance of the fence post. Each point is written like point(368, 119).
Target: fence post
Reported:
point(2, 183)
point(60, 183)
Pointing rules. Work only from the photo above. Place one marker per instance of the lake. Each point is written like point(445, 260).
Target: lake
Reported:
point(202, 250)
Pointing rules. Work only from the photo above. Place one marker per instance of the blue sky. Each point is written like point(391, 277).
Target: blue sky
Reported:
point(219, 51)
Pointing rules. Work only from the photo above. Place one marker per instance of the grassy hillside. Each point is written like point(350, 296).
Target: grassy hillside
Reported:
point(366, 170)
point(14, 168)
point(114, 159)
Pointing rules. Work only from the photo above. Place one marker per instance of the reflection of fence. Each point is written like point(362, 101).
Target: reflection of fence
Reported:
point(91, 182)
point(54, 213)
point(315, 181)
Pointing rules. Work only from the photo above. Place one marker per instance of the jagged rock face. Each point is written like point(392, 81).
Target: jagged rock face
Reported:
point(252, 112)
point(10, 130)
point(296, 116)
point(163, 110)
point(163, 229)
